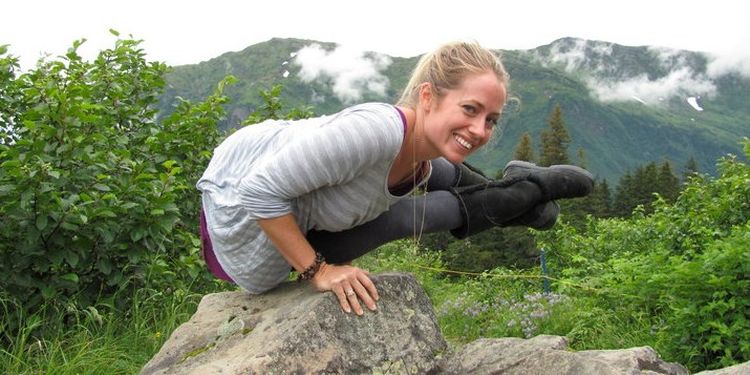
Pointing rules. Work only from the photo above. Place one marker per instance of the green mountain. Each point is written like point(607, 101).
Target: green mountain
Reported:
point(623, 106)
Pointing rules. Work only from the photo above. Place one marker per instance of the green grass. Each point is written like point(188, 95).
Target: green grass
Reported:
point(95, 340)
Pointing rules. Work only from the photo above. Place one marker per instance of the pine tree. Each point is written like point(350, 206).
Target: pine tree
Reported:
point(600, 202)
point(668, 183)
point(524, 150)
point(691, 169)
point(555, 141)
point(624, 196)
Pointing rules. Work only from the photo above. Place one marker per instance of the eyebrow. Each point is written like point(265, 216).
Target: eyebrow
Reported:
point(482, 106)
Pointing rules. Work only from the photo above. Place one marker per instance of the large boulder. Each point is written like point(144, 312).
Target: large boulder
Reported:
point(543, 354)
point(294, 329)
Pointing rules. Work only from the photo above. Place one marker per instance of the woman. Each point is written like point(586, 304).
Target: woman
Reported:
point(314, 194)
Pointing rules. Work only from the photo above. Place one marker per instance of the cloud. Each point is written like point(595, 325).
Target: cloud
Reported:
point(609, 82)
point(729, 63)
point(682, 81)
point(352, 71)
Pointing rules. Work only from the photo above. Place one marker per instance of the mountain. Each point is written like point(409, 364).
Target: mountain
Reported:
point(623, 106)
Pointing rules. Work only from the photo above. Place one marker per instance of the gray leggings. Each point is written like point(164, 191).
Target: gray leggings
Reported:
point(436, 211)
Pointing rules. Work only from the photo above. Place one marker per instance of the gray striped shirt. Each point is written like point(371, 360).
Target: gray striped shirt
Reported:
point(330, 172)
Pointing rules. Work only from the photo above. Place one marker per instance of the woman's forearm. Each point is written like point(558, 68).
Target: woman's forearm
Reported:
point(288, 239)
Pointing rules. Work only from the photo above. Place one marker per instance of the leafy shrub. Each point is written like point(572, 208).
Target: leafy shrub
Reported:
point(685, 267)
point(92, 188)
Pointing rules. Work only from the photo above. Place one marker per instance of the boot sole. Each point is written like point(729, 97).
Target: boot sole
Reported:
point(567, 169)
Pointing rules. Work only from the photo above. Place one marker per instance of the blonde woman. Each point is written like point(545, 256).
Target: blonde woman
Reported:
point(311, 195)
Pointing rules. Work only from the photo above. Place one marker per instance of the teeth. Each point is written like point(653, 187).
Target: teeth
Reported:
point(463, 142)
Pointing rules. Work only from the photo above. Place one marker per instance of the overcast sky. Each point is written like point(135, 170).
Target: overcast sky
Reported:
point(190, 31)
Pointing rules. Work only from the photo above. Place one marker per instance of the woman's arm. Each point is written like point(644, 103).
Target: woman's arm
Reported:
point(346, 282)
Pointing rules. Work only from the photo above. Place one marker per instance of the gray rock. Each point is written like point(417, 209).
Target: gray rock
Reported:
point(544, 355)
point(294, 329)
point(741, 369)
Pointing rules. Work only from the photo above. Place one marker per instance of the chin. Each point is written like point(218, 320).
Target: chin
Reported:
point(455, 158)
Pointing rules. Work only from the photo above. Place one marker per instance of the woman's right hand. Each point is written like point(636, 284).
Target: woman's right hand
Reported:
point(350, 285)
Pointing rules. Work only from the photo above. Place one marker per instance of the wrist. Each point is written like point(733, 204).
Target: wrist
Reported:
point(310, 272)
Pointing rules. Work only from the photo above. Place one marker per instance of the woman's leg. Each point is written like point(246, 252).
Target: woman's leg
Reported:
point(436, 211)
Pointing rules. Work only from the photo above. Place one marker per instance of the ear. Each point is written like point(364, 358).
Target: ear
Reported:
point(425, 96)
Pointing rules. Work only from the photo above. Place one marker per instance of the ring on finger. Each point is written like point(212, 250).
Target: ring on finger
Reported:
point(350, 293)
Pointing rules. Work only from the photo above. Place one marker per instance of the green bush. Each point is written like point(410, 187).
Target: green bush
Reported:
point(92, 187)
point(684, 268)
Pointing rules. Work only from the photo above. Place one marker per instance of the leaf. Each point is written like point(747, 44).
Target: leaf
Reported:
point(104, 265)
point(41, 222)
point(157, 212)
point(72, 277)
point(54, 174)
point(101, 187)
point(114, 32)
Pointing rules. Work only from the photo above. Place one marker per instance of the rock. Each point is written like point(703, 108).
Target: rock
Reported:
point(741, 369)
point(294, 329)
point(544, 355)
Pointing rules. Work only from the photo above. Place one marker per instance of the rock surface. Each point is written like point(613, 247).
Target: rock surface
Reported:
point(294, 329)
point(550, 355)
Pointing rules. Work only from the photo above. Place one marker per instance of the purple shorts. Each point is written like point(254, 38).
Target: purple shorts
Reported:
point(208, 252)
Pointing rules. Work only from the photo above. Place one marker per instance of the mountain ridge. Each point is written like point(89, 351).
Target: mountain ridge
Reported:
point(624, 106)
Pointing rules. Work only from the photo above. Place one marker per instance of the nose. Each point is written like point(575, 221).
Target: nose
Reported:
point(478, 128)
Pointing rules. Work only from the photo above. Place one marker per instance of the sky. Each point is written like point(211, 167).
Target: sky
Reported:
point(188, 31)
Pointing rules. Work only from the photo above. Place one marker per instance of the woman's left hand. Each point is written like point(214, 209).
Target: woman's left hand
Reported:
point(350, 285)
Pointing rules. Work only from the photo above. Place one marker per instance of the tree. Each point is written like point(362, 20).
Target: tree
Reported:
point(555, 141)
point(668, 183)
point(691, 169)
point(524, 150)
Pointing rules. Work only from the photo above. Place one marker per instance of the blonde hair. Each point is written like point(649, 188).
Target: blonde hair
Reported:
point(446, 68)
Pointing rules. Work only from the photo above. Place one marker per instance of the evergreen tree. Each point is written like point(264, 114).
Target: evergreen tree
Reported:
point(623, 203)
point(524, 150)
point(555, 141)
point(691, 169)
point(600, 200)
point(669, 184)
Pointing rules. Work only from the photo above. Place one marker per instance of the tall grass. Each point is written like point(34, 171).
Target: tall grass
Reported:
point(93, 340)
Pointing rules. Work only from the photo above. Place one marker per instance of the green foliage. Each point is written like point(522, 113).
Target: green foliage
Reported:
point(684, 267)
point(271, 108)
point(92, 189)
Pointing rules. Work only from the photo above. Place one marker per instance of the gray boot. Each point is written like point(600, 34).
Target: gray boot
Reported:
point(524, 196)
point(557, 181)
point(467, 175)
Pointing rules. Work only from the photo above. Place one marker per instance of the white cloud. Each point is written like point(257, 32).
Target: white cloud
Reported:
point(730, 63)
point(607, 83)
point(677, 82)
point(351, 70)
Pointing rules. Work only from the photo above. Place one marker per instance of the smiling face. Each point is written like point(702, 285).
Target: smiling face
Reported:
point(461, 120)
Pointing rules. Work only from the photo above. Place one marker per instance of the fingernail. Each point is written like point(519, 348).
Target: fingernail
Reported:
point(348, 310)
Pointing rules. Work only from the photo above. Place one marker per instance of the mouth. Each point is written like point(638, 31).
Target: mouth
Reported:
point(463, 142)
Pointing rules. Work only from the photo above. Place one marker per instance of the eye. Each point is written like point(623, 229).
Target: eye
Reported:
point(469, 109)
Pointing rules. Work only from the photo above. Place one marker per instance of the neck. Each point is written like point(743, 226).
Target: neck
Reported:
point(412, 149)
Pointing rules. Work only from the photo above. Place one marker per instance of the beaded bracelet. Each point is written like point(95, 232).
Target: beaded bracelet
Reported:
point(309, 272)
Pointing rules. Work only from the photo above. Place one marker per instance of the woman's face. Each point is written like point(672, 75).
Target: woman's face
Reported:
point(462, 119)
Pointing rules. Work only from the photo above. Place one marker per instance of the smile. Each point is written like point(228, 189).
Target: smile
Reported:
point(463, 142)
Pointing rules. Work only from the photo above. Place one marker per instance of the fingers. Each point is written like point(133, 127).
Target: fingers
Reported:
point(352, 287)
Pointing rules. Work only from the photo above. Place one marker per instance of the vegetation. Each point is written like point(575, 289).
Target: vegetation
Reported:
point(101, 262)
